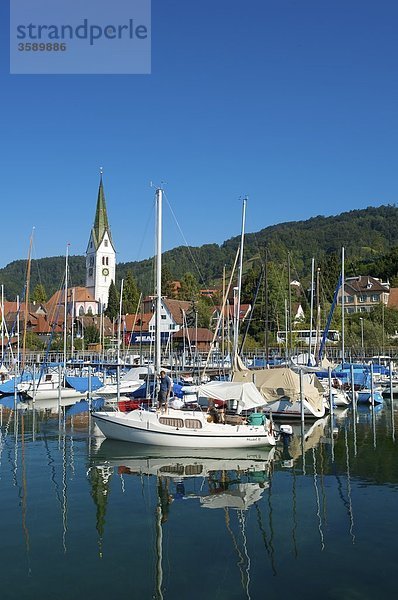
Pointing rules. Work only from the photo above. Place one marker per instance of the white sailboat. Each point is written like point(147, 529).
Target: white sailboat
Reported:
point(185, 428)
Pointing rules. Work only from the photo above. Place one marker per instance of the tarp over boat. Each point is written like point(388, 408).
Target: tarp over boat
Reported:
point(81, 384)
point(245, 393)
point(138, 373)
point(278, 383)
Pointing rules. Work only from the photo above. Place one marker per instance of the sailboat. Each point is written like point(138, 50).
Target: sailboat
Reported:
point(187, 427)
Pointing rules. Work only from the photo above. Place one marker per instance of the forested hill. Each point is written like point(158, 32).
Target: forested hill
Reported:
point(368, 235)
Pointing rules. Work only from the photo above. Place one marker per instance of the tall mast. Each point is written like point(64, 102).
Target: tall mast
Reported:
point(65, 308)
point(119, 341)
point(158, 290)
point(72, 325)
point(312, 308)
point(266, 306)
point(119, 337)
point(289, 295)
point(237, 312)
point(342, 306)
point(25, 327)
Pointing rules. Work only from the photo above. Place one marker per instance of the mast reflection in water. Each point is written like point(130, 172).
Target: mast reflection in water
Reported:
point(89, 518)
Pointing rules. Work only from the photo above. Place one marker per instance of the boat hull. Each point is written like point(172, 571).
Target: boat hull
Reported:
point(365, 397)
point(144, 427)
point(53, 394)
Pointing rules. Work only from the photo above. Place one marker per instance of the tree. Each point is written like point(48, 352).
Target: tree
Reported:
point(168, 289)
point(91, 334)
point(189, 289)
point(200, 313)
point(131, 295)
point(39, 294)
point(112, 309)
point(33, 342)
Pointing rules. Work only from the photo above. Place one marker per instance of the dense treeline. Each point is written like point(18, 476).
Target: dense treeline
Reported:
point(370, 237)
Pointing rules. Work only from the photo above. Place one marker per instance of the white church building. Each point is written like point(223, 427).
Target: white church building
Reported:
point(100, 255)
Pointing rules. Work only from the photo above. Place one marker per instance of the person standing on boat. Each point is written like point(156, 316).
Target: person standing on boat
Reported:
point(164, 390)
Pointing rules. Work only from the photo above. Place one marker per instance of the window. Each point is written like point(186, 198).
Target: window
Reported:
point(375, 297)
point(193, 469)
point(349, 299)
point(91, 261)
point(173, 470)
point(89, 310)
point(193, 424)
point(362, 298)
point(106, 261)
point(81, 311)
point(163, 316)
point(171, 422)
point(105, 242)
point(90, 272)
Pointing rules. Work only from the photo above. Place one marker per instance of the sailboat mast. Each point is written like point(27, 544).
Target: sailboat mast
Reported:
point(266, 307)
point(312, 308)
point(65, 308)
point(119, 341)
point(237, 313)
point(25, 327)
point(342, 306)
point(289, 295)
point(72, 325)
point(159, 198)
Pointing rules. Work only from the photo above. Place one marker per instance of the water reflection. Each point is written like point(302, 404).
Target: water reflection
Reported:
point(230, 481)
point(235, 521)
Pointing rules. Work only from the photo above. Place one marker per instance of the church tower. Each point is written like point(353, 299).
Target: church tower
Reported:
point(100, 254)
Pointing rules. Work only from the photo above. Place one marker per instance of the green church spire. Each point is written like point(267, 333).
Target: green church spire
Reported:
point(101, 224)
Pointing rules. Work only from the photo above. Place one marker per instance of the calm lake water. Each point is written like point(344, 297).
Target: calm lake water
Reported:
point(93, 519)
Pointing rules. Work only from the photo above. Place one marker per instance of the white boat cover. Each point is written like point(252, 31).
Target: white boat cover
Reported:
point(282, 383)
point(134, 373)
point(246, 394)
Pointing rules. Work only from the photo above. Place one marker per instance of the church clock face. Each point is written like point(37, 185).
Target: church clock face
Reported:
point(105, 271)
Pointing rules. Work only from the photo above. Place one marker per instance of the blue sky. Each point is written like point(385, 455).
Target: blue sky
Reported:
point(294, 103)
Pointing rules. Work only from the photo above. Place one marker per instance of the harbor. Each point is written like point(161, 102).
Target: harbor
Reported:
point(198, 300)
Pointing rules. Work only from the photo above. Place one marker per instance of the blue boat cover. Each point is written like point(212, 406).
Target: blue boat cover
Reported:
point(8, 386)
point(81, 383)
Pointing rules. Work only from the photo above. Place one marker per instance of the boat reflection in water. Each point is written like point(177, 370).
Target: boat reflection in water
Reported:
point(180, 464)
point(223, 479)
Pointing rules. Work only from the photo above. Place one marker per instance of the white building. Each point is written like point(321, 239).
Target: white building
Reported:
point(100, 254)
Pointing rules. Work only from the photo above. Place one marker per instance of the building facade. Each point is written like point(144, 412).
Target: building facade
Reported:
point(363, 293)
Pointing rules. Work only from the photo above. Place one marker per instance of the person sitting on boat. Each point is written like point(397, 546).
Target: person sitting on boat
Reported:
point(164, 390)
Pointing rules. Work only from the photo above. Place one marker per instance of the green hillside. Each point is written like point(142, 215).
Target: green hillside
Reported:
point(369, 237)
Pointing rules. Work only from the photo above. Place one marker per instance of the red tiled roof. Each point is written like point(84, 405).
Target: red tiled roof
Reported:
point(81, 295)
point(203, 334)
point(141, 322)
point(244, 308)
point(175, 307)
